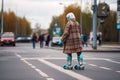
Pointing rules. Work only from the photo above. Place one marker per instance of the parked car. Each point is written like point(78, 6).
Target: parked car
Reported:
point(7, 38)
point(23, 39)
point(55, 41)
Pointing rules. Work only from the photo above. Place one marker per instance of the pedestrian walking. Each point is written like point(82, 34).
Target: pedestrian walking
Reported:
point(48, 40)
point(41, 39)
point(34, 40)
point(72, 42)
point(82, 37)
point(99, 38)
point(85, 38)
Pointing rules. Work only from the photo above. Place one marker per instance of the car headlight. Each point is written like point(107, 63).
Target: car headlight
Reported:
point(1, 40)
point(13, 40)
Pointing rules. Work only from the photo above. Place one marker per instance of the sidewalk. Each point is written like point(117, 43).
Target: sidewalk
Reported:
point(102, 48)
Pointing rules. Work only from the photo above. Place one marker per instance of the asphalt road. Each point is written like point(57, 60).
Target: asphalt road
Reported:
point(25, 63)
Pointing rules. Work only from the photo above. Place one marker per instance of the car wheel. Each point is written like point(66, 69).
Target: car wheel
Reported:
point(52, 44)
point(14, 45)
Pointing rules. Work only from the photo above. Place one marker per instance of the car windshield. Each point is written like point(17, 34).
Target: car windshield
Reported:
point(7, 36)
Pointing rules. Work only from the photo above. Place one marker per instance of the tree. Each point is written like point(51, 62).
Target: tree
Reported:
point(110, 33)
point(10, 20)
point(107, 29)
point(75, 8)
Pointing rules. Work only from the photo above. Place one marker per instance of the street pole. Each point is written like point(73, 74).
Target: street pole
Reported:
point(94, 45)
point(16, 26)
point(64, 14)
point(2, 17)
point(119, 36)
point(118, 19)
point(16, 30)
point(81, 17)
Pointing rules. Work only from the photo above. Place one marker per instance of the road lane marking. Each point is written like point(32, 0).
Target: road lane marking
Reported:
point(117, 71)
point(92, 65)
point(62, 58)
point(68, 72)
point(19, 56)
point(105, 68)
point(41, 73)
point(109, 60)
point(50, 79)
point(34, 67)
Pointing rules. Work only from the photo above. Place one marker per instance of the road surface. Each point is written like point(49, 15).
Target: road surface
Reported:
point(25, 63)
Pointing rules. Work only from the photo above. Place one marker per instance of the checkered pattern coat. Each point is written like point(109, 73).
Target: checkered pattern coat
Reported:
point(71, 38)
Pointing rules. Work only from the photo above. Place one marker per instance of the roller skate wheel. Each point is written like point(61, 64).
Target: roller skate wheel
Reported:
point(77, 67)
point(82, 67)
point(67, 67)
point(70, 67)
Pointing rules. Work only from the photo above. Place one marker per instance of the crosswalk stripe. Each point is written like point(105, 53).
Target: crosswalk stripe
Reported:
point(105, 68)
point(68, 72)
point(93, 65)
point(117, 71)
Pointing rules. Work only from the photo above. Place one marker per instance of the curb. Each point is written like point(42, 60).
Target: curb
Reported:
point(88, 50)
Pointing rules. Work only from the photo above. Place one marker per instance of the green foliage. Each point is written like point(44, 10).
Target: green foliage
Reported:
point(109, 28)
point(75, 8)
point(109, 32)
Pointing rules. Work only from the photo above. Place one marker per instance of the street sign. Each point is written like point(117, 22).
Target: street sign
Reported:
point(103, 10)
point(118, 15)
point(56, 30)
point(118, 26)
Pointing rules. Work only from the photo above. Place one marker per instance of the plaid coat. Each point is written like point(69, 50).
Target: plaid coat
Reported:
point(71, 38)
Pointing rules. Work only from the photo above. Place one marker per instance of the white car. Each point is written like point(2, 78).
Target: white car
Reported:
point(55, 41)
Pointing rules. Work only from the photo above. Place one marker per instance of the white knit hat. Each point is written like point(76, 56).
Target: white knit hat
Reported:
point(70, 16)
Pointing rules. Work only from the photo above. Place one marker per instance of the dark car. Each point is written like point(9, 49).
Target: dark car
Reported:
point(23, 39)
point(7, 38)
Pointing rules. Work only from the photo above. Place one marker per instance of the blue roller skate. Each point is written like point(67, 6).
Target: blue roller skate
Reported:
point(80, 65)
point(68, 66)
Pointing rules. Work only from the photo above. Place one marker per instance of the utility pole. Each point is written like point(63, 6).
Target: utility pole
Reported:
point(94, 45)
point(16, 26)
point(2, 17)
point(81, 17)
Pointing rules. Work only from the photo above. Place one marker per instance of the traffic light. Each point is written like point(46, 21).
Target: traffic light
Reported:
point(103, 10)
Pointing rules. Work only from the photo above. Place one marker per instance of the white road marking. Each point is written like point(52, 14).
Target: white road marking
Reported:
point(105, 68)
point(92, 65)
point(18, 56)
point(34, 67)
point(117, 71)
point(62, 70)
point(41, 73)
point(109, 60)
point(50, 79)
point(63, 58)
point(68, 72)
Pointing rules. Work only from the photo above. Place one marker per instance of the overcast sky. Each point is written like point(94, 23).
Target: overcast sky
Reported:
point(41, 11)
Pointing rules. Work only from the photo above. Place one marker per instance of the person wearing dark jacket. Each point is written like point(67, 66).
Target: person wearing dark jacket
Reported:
point(34, 39)
point(48, 40)
point(41, 39)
